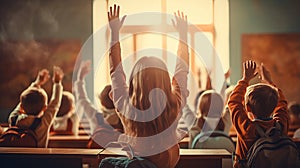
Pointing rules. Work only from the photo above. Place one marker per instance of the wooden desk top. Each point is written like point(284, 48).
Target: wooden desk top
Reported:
point(69, 138)
point(184, 153)
point(49, 151)
point(205, 153)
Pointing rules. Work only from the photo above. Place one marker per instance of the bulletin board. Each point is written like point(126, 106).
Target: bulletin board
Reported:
point(280, 53)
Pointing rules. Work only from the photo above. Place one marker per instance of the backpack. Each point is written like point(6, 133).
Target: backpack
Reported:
point(272, 150)
point(20, 137)
point(213, 140)
point(126, 162)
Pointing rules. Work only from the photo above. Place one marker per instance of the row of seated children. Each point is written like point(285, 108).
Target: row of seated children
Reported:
point(56, 118)
point(142, 82)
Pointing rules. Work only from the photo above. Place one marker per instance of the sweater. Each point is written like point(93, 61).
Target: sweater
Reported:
point(42, 131)
point(246, 131)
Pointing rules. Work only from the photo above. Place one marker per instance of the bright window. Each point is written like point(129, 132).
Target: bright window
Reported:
point(210, 17)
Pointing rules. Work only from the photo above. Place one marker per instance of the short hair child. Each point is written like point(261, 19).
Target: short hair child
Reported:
point(66, 121)
point(67, 104)
point(108, 109)
point(33, 100)
point(25, 113)
point(294, 112)
point(261, 99)
point(253, 105)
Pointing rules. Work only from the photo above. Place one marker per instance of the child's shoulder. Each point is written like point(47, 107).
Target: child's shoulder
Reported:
point(25, 121)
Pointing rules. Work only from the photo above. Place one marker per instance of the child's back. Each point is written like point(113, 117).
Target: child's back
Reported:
point(28, 109)
point(66, 121)
point(254, 105)
point(150, 106)
point(210, 119)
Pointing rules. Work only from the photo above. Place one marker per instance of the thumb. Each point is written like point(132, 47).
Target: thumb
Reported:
point(123, 19)
point(173, 22)
point(255, 74)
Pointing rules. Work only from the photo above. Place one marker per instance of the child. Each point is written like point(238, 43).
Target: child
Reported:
point(102, 132)
point(66, 121)
point(33, 104)
point(108, 109)
point(133, 104)
point(294, 113)
point(250, 105)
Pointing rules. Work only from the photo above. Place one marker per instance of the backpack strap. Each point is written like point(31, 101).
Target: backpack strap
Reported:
point(260, 131)
point(36, 122)
point(125, 147)
point(270, 131)
point(14, 120)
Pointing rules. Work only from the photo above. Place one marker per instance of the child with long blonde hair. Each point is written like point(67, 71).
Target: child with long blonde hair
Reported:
point(150, 107)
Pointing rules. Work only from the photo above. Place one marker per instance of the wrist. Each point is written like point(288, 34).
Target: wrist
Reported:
point(115, 35)
point(245, 80)
point(57, 82)
point(183, 37)
point(36, 84)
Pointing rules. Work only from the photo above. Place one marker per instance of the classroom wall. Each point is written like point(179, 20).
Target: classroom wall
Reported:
point(36, 34)
point(259, 17)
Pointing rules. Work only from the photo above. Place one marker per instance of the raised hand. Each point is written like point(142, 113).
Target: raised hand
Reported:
point(58, 74)
point(265, 74)
point(249, 70)
point(42, 77)
point(115, 23)
point(84, 69)
point(181, 25)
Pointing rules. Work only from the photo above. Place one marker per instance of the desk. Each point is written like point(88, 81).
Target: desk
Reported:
point(75, 158)
point(68, 141)
point(84, 132)
point(208, 158)
point(81, 141)
point(184, 143)
point(48, 157)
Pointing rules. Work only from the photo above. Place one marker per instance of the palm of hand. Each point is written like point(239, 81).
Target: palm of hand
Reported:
point(113, 17)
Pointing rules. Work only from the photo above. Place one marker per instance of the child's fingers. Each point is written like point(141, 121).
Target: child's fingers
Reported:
point(110, 11)
point(115, 10)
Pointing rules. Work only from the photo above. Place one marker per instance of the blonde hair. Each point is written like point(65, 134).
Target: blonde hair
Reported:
point(210, 105)
point(147, 74)
point(210, 101)
point(262, 99)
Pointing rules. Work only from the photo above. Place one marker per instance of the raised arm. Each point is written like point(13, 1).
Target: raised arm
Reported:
point(179, 81)
point(56, 97)
point(235, 103)
point(41, 79)
point(118, 78)
point(83, 103)
point(181, 25)
point(115, 25)
point(52, 108)
point(281, 111)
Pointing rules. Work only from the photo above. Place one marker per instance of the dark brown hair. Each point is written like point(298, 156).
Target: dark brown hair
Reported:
point(105, 99)
point(33, 100)
point(262, 99)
